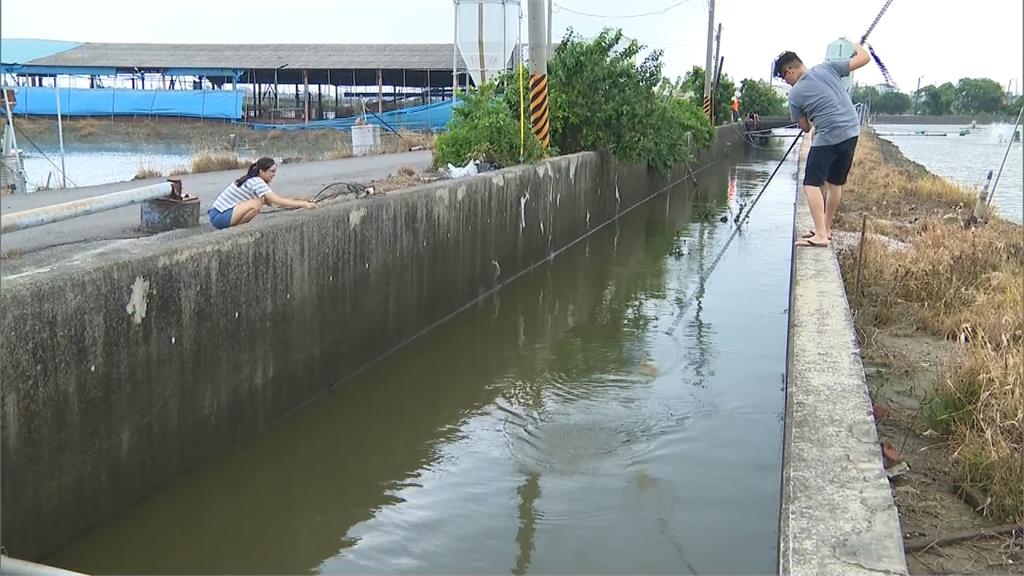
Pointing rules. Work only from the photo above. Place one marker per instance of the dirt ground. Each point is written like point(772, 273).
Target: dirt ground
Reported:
point(906, 365)
point(902, 371)
point(903, 368)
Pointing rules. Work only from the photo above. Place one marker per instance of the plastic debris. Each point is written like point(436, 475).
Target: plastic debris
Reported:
point(459, 172)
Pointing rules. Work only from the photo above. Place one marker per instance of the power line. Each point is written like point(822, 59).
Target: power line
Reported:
point(676, 5)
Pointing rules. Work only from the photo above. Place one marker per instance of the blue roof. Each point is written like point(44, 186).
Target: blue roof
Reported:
point(22, 50)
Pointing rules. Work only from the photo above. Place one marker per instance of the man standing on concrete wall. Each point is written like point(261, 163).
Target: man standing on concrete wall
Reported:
point(819, 98)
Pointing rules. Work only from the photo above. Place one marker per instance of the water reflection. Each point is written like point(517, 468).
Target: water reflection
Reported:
point(554, 428)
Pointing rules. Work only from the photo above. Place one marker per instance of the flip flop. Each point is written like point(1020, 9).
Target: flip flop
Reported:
point(807, 242)
point(811, 235)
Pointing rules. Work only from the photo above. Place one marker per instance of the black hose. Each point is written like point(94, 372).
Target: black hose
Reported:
point(350, 188)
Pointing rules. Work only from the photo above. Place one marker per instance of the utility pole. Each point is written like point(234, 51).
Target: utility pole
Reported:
point(708, 59)
point(538, 73)
point(917, 94)
point(718, 70)
point(550, 26)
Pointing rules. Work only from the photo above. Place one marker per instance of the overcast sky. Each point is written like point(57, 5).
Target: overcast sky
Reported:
point(939, 40)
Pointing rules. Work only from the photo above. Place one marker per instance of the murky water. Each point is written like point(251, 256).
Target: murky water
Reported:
point(90, 166)
point(966, 159)
point(575, 422)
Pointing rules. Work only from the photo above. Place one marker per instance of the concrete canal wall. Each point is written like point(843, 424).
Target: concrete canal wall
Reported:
point(131, 364)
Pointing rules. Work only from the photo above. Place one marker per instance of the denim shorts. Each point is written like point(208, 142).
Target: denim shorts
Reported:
point(220, 220)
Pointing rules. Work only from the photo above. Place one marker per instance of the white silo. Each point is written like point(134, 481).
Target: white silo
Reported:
point(486, 34)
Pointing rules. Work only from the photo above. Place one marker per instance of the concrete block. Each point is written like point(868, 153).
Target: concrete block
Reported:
point(163, 214)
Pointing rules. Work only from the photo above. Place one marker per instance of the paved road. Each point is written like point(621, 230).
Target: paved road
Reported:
point(300, 179)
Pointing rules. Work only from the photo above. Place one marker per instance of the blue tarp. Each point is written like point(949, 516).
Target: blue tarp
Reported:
point(226, 104)
point(429, 117)
point(22, 50)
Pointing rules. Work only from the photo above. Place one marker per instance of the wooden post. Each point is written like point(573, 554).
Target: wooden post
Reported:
point(860, 260)
point(305, 96)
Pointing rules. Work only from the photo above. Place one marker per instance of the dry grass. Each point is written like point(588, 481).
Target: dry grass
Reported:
point(215, 160)
point(980, 404)
point(405, 141)
point(87, 128)
point(144, 172)
point(338, 151)
point(888, 187)
point(963, 285)
point(405, 177)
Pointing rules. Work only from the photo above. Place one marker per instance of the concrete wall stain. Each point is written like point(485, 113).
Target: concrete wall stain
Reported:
point(137, 299)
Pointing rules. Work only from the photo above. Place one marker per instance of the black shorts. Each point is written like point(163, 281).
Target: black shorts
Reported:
point(829, 163)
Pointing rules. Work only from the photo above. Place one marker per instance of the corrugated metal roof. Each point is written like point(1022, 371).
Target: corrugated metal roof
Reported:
point(256, 56)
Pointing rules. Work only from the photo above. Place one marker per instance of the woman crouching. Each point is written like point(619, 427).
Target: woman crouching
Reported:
point(244, 198)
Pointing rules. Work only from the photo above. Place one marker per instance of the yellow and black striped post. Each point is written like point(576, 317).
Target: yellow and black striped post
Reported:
point(709, 106)
point(539, 120)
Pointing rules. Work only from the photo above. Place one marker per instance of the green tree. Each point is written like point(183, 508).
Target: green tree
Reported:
point(864, 94)
point(892, 103)
point(757, 96)
point(601, 97)
point(692, 88)
point(937, 101)
point(484, 128)
point(1014, 107)
point(980, 96)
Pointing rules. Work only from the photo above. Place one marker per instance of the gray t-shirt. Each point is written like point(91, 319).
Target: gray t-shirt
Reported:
point(821, 97)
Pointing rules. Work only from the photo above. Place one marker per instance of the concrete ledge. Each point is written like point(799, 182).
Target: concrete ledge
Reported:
point(838, 516)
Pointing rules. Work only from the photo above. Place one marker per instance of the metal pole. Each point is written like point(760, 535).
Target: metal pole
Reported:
point(718, 52)
point(550, 25)
point(480, 42)
point(522, 90)
point(708, 62)
point(455, 52)
point(60, 135)
point(539, 115)
point(536, 38)
point(10, 118)
point(714, 87)
point(504, 36)
point(917, 94)
point(380, 92)
point(1006, 155)
point(56, 212)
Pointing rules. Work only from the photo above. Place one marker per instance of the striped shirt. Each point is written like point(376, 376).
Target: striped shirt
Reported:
point(234, 194)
